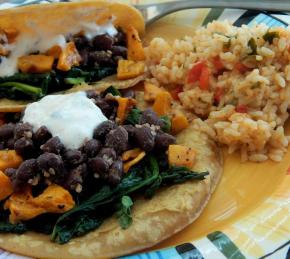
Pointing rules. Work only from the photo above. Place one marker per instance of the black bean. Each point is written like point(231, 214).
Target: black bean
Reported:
point(81, 42)
point(2, 145)
point(117, 139)
point(116, 59)
point(106, 106)
point(163, 140)
point(98, 166)
point(102, 58)
point(120, 38)
point(53, 145)
point(144, 138)
point(11, 173)
point(24, 147)
point(130, 129)
point(103, 42)
point(23, 130)
point(73, 157)
point(149, 116)
point(119, 51)
point(115, 172)
point(84, 53)
point(10, 143)
point(92, 94)
point(51, 165)
point(76, 177)
point(103, 129)
point(42, 135)
point(128, 93)
point(92, 147)
point(109, 154)
point(28, 170)
point(7, 131)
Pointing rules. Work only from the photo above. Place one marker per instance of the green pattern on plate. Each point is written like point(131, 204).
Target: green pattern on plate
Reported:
point(225, 245)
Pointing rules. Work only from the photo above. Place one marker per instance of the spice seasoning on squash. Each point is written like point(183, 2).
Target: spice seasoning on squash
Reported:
point(137, 159)
point(179, 155)
point(23, 206)
point(9, 159)
point(151, 91)
point(178, 122)
point(124, 106)
point(35, 63)
point(134, 45)
point(6, 188)
point(69, 57)
point(20, 206)
point(55, 199)
point(129, 69)
point(162, 104)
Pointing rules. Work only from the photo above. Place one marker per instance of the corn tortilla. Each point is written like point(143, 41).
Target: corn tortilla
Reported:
point(168, 212)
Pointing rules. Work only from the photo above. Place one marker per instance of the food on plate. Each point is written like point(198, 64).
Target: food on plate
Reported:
point(237, 79)
point(91, 171)
point(43, 50)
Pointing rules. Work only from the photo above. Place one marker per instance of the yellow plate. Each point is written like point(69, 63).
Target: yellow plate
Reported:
point(248, 216)
point(249, 213)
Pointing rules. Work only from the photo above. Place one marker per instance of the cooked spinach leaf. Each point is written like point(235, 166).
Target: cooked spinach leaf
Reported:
point(124, 212)
point(34, 86)
point(74, 80)
point(167, 123)
point(174, 175)
point(9, 89)
point(134, 116)
point(270, 36)
point(6, 227)
point(112, 90)
point(253, 46)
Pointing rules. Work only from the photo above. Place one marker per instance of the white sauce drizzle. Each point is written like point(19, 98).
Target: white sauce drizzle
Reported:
point(25, 45)
point(72, 117)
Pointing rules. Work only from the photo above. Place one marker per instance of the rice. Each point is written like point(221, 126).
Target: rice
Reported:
point(254, 83)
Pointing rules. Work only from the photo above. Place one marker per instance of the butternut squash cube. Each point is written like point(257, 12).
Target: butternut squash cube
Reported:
point(129, 69)
point(151, 91)
point(54, 199)
point(134, 44)
point(179, 155)
point(162, 104)
point(23, 206)
point(54, 51)
point(9, 159)
point(5, 186)
point(35, 63)
point(69, 57)
point(124, 106)
point(178, 122)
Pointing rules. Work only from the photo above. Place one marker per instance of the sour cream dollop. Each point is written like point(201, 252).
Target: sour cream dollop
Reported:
point(72, 117)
